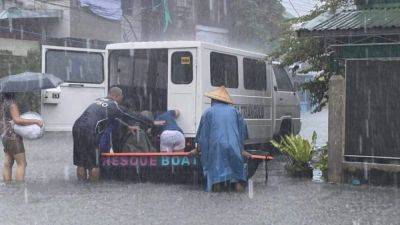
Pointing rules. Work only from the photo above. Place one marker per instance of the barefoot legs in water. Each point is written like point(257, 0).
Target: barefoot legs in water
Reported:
point(7, 168)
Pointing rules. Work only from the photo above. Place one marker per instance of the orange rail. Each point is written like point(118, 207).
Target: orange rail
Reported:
point(143, 154)
point(263, 157)
point(147, 154)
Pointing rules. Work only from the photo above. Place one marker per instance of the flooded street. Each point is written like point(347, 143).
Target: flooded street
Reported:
point(155, 84)
point(52, 195)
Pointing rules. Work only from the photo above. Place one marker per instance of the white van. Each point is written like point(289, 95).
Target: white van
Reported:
point(157, 76)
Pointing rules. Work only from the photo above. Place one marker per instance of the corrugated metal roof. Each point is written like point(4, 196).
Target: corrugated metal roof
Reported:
point(354, 19)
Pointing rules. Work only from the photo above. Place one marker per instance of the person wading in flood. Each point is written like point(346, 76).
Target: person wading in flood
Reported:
point(13, 144)
point(220, 138)
point(91, 124)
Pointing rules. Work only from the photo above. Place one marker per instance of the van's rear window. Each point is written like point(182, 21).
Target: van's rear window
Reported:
point(224, 70)
point(75, 67)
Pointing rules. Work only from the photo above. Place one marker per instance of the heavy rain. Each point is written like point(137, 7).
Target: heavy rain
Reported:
point(199, 112)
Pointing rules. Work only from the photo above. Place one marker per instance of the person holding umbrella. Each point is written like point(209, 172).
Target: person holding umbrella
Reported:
point(13, 144)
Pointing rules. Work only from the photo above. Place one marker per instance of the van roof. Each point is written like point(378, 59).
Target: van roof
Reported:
point(180, 44)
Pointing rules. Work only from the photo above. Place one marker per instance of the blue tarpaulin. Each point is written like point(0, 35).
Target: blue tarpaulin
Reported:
point(109, 9)
point(221, 135)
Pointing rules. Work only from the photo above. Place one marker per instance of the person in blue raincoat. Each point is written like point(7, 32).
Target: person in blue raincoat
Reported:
point(220, 138)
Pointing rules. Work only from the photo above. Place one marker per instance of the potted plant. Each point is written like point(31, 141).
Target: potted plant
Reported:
point(299, 152)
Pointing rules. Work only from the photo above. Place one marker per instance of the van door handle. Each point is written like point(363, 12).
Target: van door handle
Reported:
point(280, 99)
point(76, 85)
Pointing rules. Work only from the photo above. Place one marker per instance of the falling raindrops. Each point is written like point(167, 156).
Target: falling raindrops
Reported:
point(251, 188)
point(26, 197)
point(66, 173)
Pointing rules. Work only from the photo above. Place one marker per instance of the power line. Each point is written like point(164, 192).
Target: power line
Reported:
point(303, 2)
point(299, 7)
point(298, 14)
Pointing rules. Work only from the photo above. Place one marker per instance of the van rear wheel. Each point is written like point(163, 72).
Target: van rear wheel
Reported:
point(285, 129)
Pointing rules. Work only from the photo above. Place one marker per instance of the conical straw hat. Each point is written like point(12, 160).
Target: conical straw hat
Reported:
point(220, 94)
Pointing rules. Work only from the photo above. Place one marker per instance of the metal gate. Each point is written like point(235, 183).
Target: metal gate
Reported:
point(372, 129)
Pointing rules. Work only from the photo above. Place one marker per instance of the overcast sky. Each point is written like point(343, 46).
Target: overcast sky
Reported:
point(300, 7)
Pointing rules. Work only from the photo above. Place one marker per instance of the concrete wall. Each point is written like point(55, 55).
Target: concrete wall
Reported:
point(18, 47)
point(78, 22)
point(131, 25)
point(58, 28)
point(84, 24)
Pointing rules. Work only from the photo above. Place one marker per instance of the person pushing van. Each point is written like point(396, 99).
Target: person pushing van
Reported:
point(220, 138)
point(91, 124)
point(172, 138)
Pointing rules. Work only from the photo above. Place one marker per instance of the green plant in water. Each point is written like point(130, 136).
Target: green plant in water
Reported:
point(299, 152)
point(323, 164)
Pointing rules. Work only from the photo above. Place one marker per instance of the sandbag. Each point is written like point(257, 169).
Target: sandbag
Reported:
point(31, 131)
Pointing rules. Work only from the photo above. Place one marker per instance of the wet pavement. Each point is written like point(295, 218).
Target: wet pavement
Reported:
point(52, 195)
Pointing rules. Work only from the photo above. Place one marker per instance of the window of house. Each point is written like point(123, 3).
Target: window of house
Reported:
point(254, 74)
point(182, 68)
point(75, 67)
point(282, 79)
point(224, 70)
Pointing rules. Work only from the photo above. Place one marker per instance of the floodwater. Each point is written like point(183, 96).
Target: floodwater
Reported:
point(52, 195)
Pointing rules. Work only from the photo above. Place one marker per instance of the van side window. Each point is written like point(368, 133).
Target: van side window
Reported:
point(75, 67)
point(224, 70)
point(282, 79)
point(182, 67)
point(254, 73)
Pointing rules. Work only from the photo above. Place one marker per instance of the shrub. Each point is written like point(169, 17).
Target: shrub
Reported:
point(299, 152)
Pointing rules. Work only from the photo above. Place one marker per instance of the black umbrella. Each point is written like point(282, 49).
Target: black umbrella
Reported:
point(28, 81)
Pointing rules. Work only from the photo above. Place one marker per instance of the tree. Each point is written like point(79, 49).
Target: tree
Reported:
point(310, 50)
point(255, 22)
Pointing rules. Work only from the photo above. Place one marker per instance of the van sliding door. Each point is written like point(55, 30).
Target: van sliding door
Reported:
point(182, 87)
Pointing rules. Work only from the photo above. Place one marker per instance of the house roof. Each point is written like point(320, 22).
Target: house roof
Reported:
point(16, 13)
point(354, 21)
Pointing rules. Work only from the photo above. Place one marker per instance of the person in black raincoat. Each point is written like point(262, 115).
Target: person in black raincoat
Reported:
point(89, 127)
